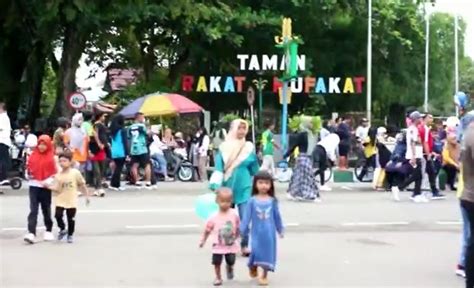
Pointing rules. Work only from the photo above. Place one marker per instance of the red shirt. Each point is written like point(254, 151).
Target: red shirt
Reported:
point(426, 137)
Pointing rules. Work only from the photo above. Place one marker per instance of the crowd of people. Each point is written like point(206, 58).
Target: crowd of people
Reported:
point(82, 150)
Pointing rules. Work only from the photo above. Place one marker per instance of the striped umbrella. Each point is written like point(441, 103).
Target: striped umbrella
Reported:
point(160, 104)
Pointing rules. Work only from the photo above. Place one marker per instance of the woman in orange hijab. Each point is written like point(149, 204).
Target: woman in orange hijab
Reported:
point(41, 167)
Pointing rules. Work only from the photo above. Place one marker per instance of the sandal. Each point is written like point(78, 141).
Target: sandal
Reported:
point(217, 282)
point(263, 281)
point(253, 272)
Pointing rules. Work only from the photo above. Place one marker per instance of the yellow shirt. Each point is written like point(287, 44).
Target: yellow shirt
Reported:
point(67, 183)
point(369, 150)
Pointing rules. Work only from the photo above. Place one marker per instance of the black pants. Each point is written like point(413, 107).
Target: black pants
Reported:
point(415, 176)
point(394, 179)
point(432, 173)
point(4, 161)
point(71, 219)
point(229, 259)
point(115, 181)
point(369, 162)
point(39, 196)
point(322, 160)
point(469, 208)
point(451, 172)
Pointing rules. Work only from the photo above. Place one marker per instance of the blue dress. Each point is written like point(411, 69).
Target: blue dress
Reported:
point(265, 220)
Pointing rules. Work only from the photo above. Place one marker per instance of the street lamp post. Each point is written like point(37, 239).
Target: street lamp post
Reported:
point(260, 85)
point(289, 43)
point(427, 57)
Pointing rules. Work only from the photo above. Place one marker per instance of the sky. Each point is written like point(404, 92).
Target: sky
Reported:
point(464, 8)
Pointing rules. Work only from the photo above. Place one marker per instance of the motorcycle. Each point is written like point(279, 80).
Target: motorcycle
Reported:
point(175, 162)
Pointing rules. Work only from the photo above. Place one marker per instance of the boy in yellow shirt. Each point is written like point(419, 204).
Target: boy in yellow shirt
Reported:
point(66, 185)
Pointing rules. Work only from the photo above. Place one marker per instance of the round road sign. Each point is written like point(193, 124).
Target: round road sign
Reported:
point(76, 100)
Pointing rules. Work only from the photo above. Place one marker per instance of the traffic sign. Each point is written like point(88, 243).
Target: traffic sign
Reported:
point(251, 96)
point(76, 100)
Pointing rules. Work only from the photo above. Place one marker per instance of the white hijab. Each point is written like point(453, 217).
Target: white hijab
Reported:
point(233, 149)
point(76, 133)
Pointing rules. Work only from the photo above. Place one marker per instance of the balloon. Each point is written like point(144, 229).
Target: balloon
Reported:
point(461, 99)
point(206, 205)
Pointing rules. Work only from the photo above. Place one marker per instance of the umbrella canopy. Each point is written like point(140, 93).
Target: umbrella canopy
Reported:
point(160, 104)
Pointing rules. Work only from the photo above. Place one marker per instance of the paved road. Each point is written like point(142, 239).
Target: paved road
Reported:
point(143, 238)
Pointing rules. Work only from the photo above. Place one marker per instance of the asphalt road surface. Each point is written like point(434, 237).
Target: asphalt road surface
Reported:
point(139, 238)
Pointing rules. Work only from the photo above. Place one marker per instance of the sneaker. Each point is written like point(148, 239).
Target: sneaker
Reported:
point(99, 193)
point(417, 198)
point(61, 234)
point(438, 196)
point(29, 238)
point(121, 188)
point(460, 271)
point(424, 199)
point(317, 200)
point(325, 188)
point(289, 197)
point(114, 188)
point(48, 236)
point(395, 193)
point(70, 239)
point(169, 179)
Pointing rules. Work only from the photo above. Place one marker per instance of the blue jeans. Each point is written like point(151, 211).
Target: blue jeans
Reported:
point(466, 232)
point(162, 164)
point(242, 210)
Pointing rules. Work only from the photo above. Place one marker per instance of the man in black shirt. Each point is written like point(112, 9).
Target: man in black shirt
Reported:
point(344, 133)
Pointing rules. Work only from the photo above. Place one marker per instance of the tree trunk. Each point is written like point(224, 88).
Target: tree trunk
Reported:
point(11, 71)
point(73, 46)
point(33, 86)
point(176, 68)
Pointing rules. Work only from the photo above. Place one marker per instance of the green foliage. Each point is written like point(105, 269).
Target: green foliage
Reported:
point(166, 39)
point(295, 122)
point(50, 82)
point(229, 118)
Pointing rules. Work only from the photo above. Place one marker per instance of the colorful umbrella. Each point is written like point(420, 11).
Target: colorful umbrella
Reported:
point(160, 104)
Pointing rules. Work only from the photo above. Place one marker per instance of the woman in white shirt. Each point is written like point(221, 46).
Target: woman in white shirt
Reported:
point(156, 153)
point(202, 148)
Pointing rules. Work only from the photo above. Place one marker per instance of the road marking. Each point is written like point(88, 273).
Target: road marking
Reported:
point(21, 228)
point(183, 226)
point(291, 224)
point(134, 211)
point(448, 222)
point(394, 223)
point(346, 188)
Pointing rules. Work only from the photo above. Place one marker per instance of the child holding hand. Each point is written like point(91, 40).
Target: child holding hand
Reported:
point(66, 185)
point(223, 228)
point(264, 221)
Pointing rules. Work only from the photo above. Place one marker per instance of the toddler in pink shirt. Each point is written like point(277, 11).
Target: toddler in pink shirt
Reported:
point(223, 227)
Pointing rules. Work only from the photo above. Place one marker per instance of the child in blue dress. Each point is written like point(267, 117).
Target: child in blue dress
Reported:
point(264, 219)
